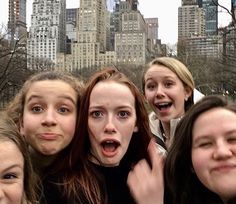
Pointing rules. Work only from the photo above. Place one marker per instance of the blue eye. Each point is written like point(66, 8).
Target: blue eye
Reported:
point(123, 114)
point(96, 114)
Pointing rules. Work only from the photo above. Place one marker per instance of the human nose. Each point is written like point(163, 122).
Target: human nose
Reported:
point(110, 126)
point(222, 151)
point(159, 91)
point(49, 118)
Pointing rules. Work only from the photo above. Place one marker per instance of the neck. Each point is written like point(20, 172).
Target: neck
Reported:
point(40, 161)
point(165, 129)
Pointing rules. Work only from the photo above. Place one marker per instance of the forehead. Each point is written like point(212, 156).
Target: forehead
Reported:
point(112, 91)
point(158, 71)
point(10, 151)
point(209, 122)
point(50, 86)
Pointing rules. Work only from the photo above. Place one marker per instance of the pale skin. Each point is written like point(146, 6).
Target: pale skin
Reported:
point(11, 173)
point(49, 116)
point(147, 183)
point(111, 122)
point(214, 151)
point(166, 94)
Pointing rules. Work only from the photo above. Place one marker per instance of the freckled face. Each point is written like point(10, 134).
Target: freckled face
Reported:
point(214, 151)
point(165, 92)
point(49, 116)
point(11, 173)
point(111, 122)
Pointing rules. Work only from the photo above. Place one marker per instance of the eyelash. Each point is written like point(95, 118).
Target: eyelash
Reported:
point(9, 176)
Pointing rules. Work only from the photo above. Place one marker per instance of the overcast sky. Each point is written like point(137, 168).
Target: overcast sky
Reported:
point(165, 10)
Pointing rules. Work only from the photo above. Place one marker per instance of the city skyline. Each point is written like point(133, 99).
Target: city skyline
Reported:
point(168, 28)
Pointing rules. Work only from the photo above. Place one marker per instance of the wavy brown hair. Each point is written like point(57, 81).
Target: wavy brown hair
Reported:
point(85, 182)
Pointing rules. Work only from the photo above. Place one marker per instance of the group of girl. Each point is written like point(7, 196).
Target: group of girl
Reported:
point(95, 143)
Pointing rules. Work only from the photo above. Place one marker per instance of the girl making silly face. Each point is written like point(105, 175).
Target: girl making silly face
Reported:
point(111, 122)
point(214, 151)
point(112, 135)
point(46, 109)
point(201, 165)
point(168, 87)
point(49, 116)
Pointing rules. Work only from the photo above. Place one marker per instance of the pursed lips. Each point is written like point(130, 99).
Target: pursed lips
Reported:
point(48, 136)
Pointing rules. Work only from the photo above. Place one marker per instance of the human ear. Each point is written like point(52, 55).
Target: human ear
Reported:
point(188, 93)
point(135, 129)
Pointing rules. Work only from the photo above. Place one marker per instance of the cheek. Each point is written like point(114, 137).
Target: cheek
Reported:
point(199, 162)
point(15, 193)
point(69, 126)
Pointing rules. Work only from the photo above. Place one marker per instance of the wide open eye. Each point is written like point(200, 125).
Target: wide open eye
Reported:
point(96, 114)
point(37, 109)
point(123, 114)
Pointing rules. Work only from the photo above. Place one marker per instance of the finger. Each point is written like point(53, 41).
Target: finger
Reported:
point(157, 160)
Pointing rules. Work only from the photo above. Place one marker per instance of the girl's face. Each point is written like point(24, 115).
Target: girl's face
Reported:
point(11, 173)
point(214, 151)
point(49, 116)
point(111, 122)
point(165, 92)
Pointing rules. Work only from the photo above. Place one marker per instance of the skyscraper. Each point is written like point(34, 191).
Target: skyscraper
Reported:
point(90, 49)
point(17, 21)
point(191, 21)
point(211, 16)
point(47, 34)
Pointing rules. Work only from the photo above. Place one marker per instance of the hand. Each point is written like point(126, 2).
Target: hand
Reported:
point(147, 183)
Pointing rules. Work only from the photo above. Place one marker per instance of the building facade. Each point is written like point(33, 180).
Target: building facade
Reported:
point(191, 21)
point(17, 22)
point(211, 16)
point(90, 49)
point(47, 34)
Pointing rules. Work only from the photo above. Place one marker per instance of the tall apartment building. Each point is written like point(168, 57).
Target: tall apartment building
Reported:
point(17, 22)
point(47, 34)
point(152, 27)
point(71, 23)
point(211, 16)
point(90, 49)
point(130, 33)
point(191, 21)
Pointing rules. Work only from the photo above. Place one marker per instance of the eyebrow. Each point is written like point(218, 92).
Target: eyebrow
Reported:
point(14, 166)
point(116, 108)
point(61, 96)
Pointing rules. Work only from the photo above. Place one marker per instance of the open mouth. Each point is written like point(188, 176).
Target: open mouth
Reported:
point(163, 106)
point(110, 145)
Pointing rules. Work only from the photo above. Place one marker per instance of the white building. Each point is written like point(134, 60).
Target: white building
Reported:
point(47, 34)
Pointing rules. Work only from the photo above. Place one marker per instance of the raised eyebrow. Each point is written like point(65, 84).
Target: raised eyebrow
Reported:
point(68, 98)
point(32, 97)
point(63, 97)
